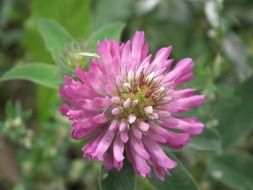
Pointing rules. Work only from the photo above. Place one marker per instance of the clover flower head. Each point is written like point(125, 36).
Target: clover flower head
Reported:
point(130, 106)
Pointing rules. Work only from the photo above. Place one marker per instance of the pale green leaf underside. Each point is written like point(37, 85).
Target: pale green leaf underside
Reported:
point(39, 73)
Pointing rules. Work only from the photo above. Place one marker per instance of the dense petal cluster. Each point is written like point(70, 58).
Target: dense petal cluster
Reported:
point(129, 106)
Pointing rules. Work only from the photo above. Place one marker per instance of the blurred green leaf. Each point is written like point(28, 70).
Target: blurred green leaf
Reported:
point(110, 31)
point(236, 51)
point(9, 110)
point(210, 139)
point(57, 40)
point(180, 179)
point(40, 73)
point(235, 117)
point(103, 13)
point(143, 184)
point(5, 11)
point(117, 180)
point(46, 99)
point(233, 169)
point(55, 36)
point(72, 15)
point(145, 6)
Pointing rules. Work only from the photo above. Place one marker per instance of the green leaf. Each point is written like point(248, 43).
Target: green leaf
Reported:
point(233, 169)
point(57, 40)
point(103, 13)
point(46, 99)
point(111, 31)
point(43, 74)
point(180, 179)
point(62, 46)
point(75, 16)
point(54, 36)
point(9, 110)
point(210, 139)
point(117, 180)
point(143, 184)
point(235, 115)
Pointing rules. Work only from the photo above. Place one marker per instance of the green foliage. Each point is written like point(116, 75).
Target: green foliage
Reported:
point(45, 99)
point(210, 139)
point(110, 31)
point(216, 34)
point(16, 118)
point(143, 184)
point(39, 73)
point(233, 169)
point(114, 180)
point(56, 39)
point(54, 36)
point(180, 179)
point(110, 10)
point(235, 119)
point(73, 15)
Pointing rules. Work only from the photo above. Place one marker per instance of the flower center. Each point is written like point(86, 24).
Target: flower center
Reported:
point(137, 99)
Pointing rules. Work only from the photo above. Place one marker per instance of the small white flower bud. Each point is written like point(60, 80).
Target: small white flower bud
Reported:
point(130, 76)
point(148, 109)
point(126, 103)
point(135, 102)
point(150, 77)
point(116, 111)
point(131, 118)
point(116, 100)
point(126, 87)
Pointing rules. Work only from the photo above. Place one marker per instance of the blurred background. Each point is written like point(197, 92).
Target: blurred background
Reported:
point(36, 151)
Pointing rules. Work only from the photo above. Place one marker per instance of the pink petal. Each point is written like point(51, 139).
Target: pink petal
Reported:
point(137, 145)
point(137, 45)
point(105, 142)
point(173, 139)
point(64, 108)
point(101, 118)
point(157, 154)
point(137, 133)
point(189, 126)
point(118, 149)
point(91, 145)
point(140, 165)
point(143, 126)
point(183, 93)
point(108, 160)
point(123, 132)
point(83, 128)
point(88, 104)
point(182, 68)
point(161, 56)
